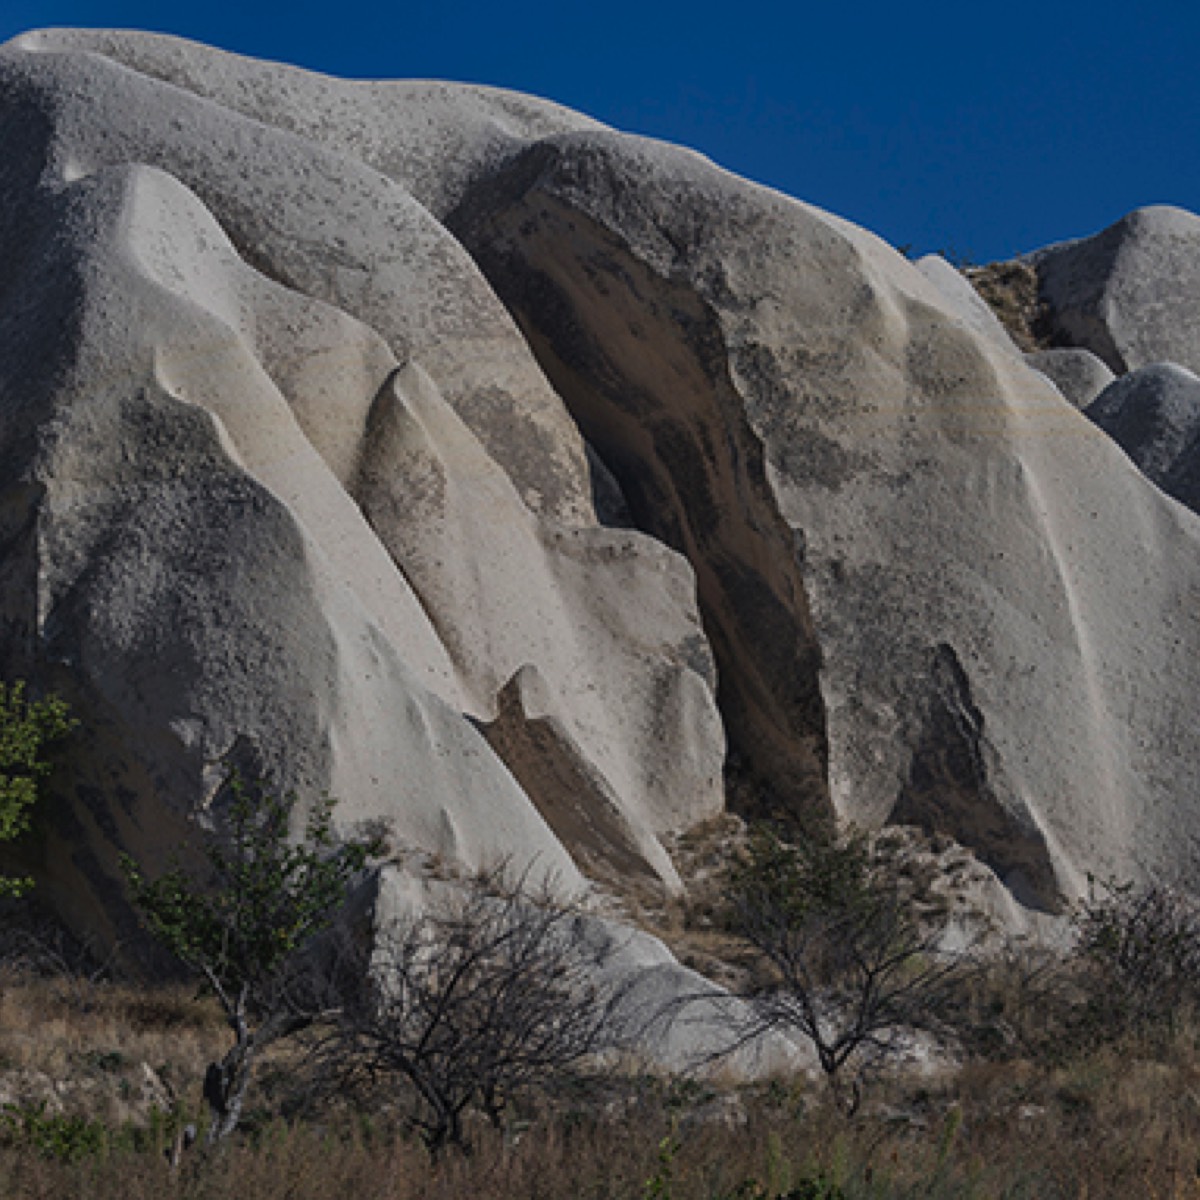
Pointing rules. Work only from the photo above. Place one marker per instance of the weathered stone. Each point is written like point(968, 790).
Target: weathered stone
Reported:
point(285, 480)
point(958, 293)
point(1131, 293)
point(931, 587)
point(1077, 373)
point(285, 486)
point(1154, 415)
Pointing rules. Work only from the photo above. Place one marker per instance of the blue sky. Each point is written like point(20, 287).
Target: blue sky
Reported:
point(978, 129)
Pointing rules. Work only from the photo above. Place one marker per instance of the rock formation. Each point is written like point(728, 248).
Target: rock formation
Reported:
point(517, 481)
point(1129, 294)
point(1154, 415)
point(1076, 372)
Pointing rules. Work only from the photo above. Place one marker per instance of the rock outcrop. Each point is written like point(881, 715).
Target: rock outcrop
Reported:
point(287, 483)
point(971, 307)
point(506, 477)
point(906, 543)
point(1154, 415)
point(1076, 372)
point(1131, 293)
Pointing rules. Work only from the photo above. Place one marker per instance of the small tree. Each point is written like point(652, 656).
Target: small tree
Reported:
point(490, 993)
point(847, 962)
point(248, 927)
point(27, 728)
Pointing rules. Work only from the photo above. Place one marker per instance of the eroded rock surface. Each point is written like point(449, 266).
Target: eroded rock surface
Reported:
point(285, 483)
point(1154, 415)
point(1077, 373)
point(931, 586)
point(1131, 293)
point(494, 471)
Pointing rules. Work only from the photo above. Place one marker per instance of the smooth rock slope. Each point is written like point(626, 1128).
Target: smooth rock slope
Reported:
point(518, 481)
point(1154, 415)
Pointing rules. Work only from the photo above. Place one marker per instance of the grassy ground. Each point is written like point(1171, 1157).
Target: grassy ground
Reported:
point(1122, 1121)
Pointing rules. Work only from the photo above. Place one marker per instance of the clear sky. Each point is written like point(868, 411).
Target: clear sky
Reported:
point(975, 128)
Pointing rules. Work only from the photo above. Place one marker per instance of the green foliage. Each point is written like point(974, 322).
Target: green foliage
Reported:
point(52, 1135)
point(262, 899)
point(823, 875)
point(27, 729)
point(248, 926)
point(659, 1185)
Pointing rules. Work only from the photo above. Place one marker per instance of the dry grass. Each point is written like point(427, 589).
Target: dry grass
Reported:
point(1122, 1121)
point(1098, 1130)
point(1011, 290)
point(107, 1048)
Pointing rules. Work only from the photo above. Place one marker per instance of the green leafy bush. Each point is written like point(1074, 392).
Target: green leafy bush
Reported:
point(247, 925)
point(52, 1135)
point(27, 729)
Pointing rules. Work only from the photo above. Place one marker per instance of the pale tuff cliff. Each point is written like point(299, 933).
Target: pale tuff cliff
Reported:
point(503, 475)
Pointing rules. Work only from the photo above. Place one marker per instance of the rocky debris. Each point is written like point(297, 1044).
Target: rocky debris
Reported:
point(1154, 416)
point(1130, 293)
point(1077, 373)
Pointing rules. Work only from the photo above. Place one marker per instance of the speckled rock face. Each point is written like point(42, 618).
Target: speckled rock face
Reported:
point(933, 588)
point(1154, 415)
point(1077, 373)
point(1130, 294)
point(285, 483)
point(496, 472)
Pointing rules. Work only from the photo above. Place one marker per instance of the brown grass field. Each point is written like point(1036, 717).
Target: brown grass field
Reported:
point(1120, 1121)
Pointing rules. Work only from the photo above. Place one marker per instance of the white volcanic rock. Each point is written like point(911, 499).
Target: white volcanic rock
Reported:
point(971, 307)
point(287, 481)
point(677, 1020)
point(321, 223)
point(913, 557)
point(1077, 373)
point(1131, 293)
point(1154, 415)
point(431, 137)
point(287, 485)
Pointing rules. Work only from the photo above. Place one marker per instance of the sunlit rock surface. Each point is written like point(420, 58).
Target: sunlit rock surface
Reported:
point(514, 480)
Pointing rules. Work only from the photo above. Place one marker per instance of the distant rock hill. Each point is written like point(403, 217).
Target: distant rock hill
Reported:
point(539, 490)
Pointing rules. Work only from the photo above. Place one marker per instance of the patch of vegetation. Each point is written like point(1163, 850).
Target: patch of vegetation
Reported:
point(248, 927)
point(1011, 291)
point(28, 728)
point(849, 963)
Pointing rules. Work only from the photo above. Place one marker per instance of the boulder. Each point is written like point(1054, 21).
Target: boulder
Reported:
point(1154, 415)
point(1077, 373)
point(1130, 294)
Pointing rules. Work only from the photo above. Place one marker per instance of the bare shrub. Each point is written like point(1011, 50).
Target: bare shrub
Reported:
point(1021, 1001)
point(846, 962)
point(1141, 946)
point(491, 992)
